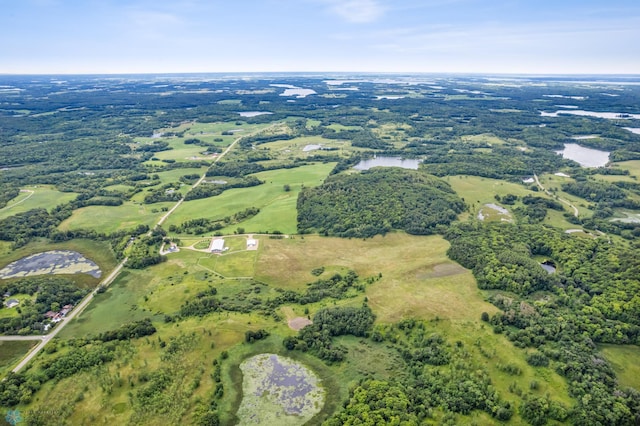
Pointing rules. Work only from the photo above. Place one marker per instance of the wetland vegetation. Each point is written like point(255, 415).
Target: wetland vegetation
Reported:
point(412, 293)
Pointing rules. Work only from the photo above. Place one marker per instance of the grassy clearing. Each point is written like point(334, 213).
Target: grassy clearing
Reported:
point(13, 312)
point(624, 360)
point(294, 148)
point(42, 197)
point(277, 207)
point(12, 351)
point(111, 309)
point(633, 166)
point(138, 294)
point(108, 219)
point(415, 270)
point(477, 191)
point(182, 152)
point(487, 138)
point(232, 265)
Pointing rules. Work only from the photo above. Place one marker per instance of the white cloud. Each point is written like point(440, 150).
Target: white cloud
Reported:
point(356, 11)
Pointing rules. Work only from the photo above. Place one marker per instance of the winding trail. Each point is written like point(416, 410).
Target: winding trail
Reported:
point(21, 201)
point(562, 200)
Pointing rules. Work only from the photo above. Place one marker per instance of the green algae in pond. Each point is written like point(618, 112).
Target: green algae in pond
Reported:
point(278, 390)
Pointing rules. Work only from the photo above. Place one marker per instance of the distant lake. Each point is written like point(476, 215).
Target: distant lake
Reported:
point(609, 115)
point(586, 157)
point(405, 163)
point(253, 113)
point(635, 130)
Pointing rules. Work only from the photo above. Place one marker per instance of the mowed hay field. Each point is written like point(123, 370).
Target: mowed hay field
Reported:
point(418, 280)
point(277, 206)
point(35, 197)
point(114, 218)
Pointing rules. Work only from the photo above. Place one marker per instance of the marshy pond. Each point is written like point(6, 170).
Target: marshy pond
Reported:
point(278, 391)
point(51, 262)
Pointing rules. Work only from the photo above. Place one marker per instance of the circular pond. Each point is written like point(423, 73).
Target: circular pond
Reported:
point(278, 390)
point(51, 262)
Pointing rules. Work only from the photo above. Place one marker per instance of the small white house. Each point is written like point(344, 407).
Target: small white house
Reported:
point(11, 303)
point(217, 246)
point(251, 243)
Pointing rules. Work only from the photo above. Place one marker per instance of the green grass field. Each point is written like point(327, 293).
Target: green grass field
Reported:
point(294, 148)
point(232, 265)
point(415, 270)
point(113, 218)
point(42, 197)
point(11, 352)
point(624, 360)
point(111, 309)
point(13, 312)
point(484, 138)
point(277, 207)
point(633, 166)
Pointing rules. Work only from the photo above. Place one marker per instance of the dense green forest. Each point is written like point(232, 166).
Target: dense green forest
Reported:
point(376, 202)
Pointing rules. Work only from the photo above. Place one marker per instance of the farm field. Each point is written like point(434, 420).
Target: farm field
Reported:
point(12, 351)
point(35, 197)
point(114, 218)
point(277, 206)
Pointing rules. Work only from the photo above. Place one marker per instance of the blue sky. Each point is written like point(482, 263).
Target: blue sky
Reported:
point(510, 36)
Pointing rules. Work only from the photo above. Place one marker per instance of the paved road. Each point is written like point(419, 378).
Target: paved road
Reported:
point(74, 312)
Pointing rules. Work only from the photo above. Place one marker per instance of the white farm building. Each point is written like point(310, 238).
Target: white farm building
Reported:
point(217, 245)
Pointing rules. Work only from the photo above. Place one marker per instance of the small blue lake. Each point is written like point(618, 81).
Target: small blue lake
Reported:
point(382, 161)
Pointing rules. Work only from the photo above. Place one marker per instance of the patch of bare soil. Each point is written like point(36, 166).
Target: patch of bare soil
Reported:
point(299, 323)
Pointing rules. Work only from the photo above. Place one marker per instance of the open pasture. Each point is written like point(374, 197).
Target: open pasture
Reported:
point(34, 197)
point(12, 351)
point(303, 147)
point(182, 152)
point(633, 166)
point(113, 218)
point(624, 360)
point(487, 138)
point(231, 265)
point(416, 274)
point(477, 191)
